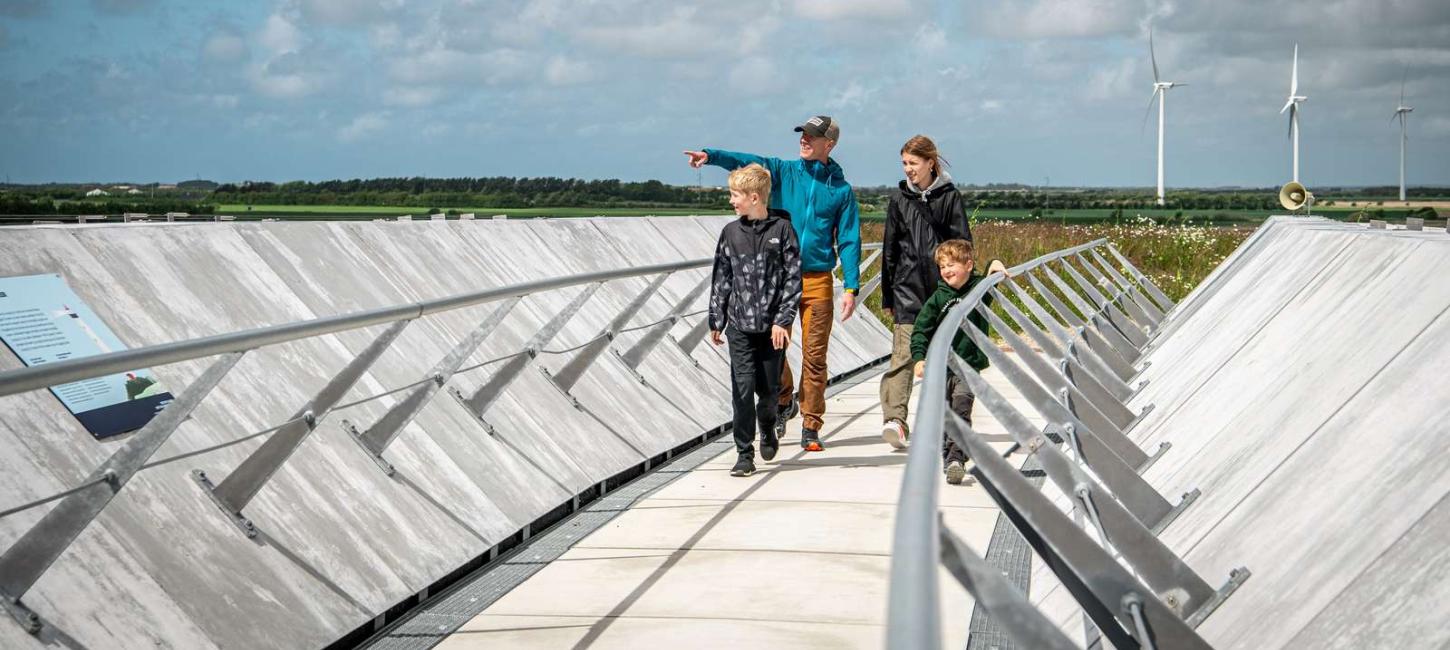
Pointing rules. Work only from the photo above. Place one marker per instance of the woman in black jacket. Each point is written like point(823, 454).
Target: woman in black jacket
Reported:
point(924, 211)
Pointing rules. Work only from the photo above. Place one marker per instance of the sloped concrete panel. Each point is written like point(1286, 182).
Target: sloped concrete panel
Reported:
point(1295, 387)
point(340, 541)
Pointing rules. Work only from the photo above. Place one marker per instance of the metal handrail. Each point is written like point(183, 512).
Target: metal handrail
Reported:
point(913, 608)
point(1094, 579)
point(62, 372)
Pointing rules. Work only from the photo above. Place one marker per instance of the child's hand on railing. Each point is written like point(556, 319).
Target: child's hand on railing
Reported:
point(920, 367)
point(998, 267)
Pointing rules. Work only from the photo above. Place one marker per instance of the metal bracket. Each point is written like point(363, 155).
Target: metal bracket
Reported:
point(1236, 578)
point(238, 519)
point(550, 376)
point(1187, 500)
point(357, 436)
point(28, 620)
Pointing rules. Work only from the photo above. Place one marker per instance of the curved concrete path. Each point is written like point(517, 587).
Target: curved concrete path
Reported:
point(796, 556)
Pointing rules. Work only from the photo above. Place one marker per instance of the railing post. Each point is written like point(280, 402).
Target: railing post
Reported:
point(695, 335)
point(1004, 602)
point(1152, 310)
point(1106, 350)
point(1085, 380)
point(571, 372)
point(1177, 584)
point(30, 556)
point(1108, 307)
point(1147, 283)
point(1100, 417)
point(1114, 458)
point(1100, 325)
point(239, 487)
point(484, 397)
point(1099, 368)
point(1130, 305)
point(376, 438)
point(1111, 596)
point(647, 342)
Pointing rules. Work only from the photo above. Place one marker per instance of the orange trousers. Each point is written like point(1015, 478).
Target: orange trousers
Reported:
point(817, 311)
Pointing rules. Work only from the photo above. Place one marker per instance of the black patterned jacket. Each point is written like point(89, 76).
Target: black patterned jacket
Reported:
point(756, 282)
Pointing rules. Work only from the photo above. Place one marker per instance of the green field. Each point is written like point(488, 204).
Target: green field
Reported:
point(373, 211)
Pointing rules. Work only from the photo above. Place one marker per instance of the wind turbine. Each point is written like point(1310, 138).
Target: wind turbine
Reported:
point(1293, 107)
point(1160, 94)
point(1403, 113)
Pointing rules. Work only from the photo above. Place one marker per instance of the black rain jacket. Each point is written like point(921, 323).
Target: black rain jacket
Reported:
point(916, 222)
point(756, 281)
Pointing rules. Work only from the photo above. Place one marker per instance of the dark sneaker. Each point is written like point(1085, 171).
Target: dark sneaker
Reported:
point(743, 467)
point(811, 440)
point(790, 410)
point(769, 444)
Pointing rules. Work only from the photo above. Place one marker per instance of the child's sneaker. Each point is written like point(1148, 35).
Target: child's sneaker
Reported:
point(811, 440)
point(769, 444)
point(956, 472)
point(786, 413)
point(894, 433)
point(743, 467)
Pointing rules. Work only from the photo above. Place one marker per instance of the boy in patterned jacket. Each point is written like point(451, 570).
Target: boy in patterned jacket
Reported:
point(754, 292)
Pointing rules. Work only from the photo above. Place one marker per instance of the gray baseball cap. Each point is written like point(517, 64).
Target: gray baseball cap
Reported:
point(821, 126)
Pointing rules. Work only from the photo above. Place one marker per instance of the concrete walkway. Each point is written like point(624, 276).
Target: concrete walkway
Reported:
point(796, 556)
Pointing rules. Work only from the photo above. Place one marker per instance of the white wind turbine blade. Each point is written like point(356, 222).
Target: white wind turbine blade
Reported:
point(1287, 105)
point(1402, 88)
point(1293, 117)
point(1152, 57)
point(1294, 75)
point(1148, 112)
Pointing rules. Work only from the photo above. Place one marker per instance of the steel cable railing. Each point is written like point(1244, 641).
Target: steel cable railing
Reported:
point(1133, 589)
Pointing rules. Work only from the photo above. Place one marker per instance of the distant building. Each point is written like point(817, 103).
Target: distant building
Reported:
point(98, 192)
point(121, 187)
point(166, 186)
point(133, 191)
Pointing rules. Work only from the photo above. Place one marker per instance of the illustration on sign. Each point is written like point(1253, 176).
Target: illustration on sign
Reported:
point(42, 321)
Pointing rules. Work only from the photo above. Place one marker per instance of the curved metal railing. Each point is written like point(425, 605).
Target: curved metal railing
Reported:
point(1090, 330)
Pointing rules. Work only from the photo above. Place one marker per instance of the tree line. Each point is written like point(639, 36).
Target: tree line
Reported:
point(497, 191)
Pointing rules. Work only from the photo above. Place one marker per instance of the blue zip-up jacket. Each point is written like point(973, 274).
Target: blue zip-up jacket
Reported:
point(822, 206)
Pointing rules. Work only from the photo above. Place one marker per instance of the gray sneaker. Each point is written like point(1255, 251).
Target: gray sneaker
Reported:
point(956, 472)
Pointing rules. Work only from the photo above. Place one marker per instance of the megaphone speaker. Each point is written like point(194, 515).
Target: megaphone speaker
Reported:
point(1294, 196)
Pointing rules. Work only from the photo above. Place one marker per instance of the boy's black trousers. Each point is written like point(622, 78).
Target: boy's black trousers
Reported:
point(754, 382)
point(960, 400)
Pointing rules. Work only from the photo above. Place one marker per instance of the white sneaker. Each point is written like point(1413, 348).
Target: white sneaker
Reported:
point(894, 434)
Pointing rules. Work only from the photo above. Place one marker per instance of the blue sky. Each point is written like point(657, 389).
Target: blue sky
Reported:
point(1013, 91)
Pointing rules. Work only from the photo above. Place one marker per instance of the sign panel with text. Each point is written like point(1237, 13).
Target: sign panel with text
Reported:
point(43, 321)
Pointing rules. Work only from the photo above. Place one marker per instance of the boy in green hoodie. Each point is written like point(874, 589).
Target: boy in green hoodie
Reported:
point(954, 258)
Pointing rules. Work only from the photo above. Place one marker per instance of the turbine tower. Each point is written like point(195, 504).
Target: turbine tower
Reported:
point(1160, 94)
point(1403, 113)
point(1293, 107)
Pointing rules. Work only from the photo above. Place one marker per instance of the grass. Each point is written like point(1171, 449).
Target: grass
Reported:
point(1176, 257)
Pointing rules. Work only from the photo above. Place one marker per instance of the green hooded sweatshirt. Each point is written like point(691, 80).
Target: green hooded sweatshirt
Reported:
point(936, 306)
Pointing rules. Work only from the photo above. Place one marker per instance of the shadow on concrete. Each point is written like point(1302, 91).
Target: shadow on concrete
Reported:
point(263, 539)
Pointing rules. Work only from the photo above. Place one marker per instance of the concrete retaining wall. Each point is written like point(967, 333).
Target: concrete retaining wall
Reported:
point(340, 541)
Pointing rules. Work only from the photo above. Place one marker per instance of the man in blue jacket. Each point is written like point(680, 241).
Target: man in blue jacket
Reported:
point(827, 221)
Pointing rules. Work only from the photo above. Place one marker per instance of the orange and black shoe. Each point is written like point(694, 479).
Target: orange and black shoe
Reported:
point(811, 440)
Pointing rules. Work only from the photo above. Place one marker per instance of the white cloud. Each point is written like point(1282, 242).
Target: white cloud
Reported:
point(225, 46)
point(439, 65)
point(280, 35)
point(753, 76)
point(363, 126)
point(851, 9)
point(853, 96)
point(348, 12)
point(412, 95)
point(1036, 19)
point(562, 71)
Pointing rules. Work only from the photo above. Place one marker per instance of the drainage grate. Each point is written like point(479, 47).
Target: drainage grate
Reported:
point(1009, 552)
